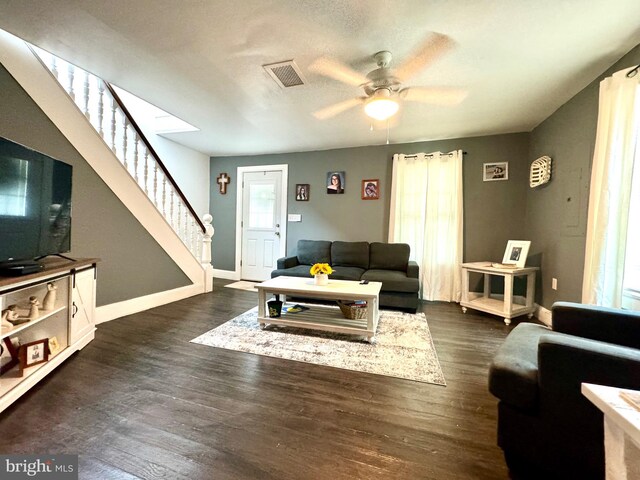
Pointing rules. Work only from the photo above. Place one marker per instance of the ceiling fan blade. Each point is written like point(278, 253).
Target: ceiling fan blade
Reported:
point(336, 108)
point(435, 95)
point(434, 47)
point(338, 71)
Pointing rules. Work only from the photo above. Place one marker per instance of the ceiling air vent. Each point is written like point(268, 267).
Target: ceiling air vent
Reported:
point(285, 74)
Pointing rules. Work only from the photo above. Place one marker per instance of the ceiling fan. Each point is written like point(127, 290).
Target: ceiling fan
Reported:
point(383, 86)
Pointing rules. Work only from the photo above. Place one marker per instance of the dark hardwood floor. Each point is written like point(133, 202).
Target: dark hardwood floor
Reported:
point(141, 401)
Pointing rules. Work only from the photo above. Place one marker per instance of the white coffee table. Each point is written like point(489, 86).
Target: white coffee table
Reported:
point(320, 317)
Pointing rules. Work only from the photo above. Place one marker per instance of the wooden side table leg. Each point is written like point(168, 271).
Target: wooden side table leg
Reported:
point(262, 300)
point(465, 285)
point(508, 299)
point(487, 286)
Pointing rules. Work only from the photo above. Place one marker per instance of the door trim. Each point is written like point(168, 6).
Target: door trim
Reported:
point(284, 168)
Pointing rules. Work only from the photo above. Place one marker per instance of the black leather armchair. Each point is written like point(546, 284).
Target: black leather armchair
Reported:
point(546, 427)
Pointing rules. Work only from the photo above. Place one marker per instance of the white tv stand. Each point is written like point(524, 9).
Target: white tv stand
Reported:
point(71, 320)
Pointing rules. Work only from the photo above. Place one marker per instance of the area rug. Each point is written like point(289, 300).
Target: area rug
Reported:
point(242, 285)
point(402, 346)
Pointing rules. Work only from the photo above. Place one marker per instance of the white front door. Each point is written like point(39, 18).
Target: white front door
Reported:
point(262, 225)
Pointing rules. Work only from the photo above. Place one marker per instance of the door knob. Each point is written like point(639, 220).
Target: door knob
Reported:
point(277, 233)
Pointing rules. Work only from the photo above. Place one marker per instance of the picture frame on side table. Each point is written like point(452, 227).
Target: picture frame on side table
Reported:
point(516, 253)
point(370, 189)
point(33, 353)
point(492, 172)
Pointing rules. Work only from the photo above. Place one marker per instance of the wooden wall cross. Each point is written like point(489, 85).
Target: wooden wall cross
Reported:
point(222, 180)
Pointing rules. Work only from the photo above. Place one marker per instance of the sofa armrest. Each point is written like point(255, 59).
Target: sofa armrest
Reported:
point(611, 325)
point(564, 362)
point(287, 262)
point(413, 270)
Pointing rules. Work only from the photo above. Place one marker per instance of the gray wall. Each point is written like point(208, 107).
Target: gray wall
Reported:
point(494, 211)
point(556, 216)
point(133, 264)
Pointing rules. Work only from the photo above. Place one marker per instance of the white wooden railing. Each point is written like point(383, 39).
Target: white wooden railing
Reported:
point(99, 103)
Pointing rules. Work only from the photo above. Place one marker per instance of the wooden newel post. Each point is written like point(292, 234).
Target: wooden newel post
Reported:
point(206, 252)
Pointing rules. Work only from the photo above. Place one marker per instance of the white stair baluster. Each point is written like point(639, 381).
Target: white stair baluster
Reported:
point(114, 108)
point(125, 142)
point(171, 217)
point(155, 183)
point(100, 108)
point(146, 170)
point(86, 79)
point(164, 197)
point(135, 157)
point(54, 67)
point(70, 90)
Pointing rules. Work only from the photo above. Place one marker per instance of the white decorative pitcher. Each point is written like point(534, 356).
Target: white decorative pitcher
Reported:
point(321, 279)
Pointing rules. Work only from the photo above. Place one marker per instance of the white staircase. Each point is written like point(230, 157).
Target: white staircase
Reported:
point(88, 112)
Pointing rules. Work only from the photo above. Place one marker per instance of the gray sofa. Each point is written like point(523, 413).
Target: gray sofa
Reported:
point(377, 262)
point(546, 427)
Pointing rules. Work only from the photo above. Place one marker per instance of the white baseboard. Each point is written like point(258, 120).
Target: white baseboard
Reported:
point(106, 313)
point(226, 274)
point(543, 314)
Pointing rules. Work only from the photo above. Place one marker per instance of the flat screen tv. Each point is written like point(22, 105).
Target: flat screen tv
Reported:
point(35, 205)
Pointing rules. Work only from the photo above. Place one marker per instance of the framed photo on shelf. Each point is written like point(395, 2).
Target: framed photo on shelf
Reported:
point(516, 253)
point(33, 353)
point(54, 346)
point(492, 172)
point(370, 189)
point(302, 192)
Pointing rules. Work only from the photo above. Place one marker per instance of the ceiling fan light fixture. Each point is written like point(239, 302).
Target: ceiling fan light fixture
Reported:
point(381, 106)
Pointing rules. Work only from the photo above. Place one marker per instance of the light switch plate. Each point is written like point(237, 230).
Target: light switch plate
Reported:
point(294, 217)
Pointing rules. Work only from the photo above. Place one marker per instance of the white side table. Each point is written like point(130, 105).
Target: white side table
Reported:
point(505, 306)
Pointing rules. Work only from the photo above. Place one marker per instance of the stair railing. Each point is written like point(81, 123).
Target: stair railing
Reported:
point(102, 107)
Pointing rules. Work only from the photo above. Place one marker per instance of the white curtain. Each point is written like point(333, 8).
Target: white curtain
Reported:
point(611, 175)
point(426, 213)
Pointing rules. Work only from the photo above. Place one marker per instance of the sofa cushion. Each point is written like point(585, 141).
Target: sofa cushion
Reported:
point(513, 374)
point(392, 280)
point(346, 273)
point(313, 251)
point(350, 254)
point(297, 271)
point(389, 256)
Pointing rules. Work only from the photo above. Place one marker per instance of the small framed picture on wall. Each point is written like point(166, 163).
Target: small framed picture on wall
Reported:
point(335, 182)
point(492, 172)
point(302, 192)
point(371, 189)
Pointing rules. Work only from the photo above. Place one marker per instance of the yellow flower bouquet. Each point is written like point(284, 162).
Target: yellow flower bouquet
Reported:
point(321, 268)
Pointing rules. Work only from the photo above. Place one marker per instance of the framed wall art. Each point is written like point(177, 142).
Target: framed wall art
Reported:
point(335, 182)
point(370, 189)
point(492, 172)
point(302, 192)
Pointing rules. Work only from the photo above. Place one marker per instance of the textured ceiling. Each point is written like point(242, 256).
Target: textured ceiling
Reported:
point(202, 61)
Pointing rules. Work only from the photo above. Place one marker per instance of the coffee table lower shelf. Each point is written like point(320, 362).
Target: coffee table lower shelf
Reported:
point(319, 317)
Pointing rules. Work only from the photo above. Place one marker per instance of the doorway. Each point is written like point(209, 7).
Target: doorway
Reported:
point(261, 220)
